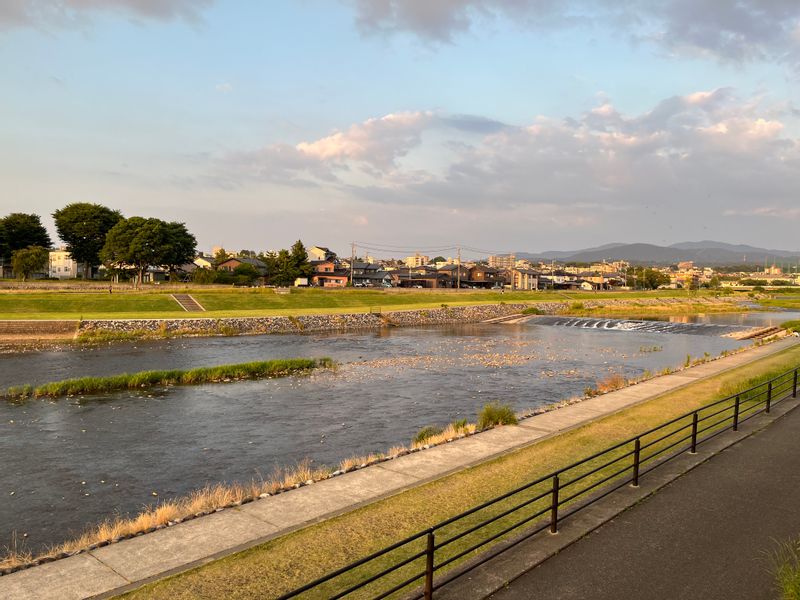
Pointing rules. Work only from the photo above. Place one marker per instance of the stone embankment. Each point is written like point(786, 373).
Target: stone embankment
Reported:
point(305, 323)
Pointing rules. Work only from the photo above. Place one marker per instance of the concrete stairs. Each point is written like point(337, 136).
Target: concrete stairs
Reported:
point(188, 303)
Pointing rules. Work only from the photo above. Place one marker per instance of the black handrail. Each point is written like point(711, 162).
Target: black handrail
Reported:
point(744, 405)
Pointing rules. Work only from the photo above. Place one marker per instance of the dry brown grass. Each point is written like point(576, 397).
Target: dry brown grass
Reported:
point(451, 432)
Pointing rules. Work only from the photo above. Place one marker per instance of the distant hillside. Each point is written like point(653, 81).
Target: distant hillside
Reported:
point(705, 253)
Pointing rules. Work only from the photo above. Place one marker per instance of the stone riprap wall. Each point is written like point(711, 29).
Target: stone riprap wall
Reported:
point(343, 322)
point(354, 321)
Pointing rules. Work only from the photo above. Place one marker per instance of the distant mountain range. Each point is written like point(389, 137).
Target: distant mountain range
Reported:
point(704, 253)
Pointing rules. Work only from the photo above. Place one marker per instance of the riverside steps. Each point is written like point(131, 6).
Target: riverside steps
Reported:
point(128, 564)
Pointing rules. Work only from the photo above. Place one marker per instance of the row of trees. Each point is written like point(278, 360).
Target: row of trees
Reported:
point(281, 268)
point(95, 234)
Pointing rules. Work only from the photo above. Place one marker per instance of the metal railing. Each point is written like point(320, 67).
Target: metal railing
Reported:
point(462, 542)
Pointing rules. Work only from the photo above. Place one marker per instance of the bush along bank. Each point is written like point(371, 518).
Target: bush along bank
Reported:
point(146, 379)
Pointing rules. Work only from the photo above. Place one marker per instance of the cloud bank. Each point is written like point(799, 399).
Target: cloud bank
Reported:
point(740, 31)
point(709, 149)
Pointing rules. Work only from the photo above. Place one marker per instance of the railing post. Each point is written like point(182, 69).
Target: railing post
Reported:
point(769, 396)
point(636, 453)
point(554, 507)
point(694, 433)
point(429, 566)
point(736, 414)
point(794, 385)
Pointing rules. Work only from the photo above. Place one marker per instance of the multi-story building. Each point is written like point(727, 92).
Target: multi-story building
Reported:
point(417, 260)
point(502, 261)
point(62, 266)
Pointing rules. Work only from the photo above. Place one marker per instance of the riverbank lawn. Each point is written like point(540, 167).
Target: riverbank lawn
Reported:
point(157, 302)
point(289, 561)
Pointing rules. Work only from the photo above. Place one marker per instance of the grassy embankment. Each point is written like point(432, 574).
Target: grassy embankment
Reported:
point(291, 560)
point(146, 379)
point(265, 302)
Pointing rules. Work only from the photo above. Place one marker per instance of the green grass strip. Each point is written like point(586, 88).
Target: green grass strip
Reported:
point(146, 379)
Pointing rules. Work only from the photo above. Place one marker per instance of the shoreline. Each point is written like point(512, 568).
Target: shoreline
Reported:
point(38, 335)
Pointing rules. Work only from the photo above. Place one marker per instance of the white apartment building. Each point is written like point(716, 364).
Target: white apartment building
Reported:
point(418, 260)
point(61, 265)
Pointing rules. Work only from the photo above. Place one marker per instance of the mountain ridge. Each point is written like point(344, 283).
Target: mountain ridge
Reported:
point(706, 252)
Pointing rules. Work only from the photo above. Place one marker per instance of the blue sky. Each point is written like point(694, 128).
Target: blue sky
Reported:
point(516, 125)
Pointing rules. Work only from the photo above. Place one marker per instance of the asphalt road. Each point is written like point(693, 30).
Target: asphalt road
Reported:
point(710, 534)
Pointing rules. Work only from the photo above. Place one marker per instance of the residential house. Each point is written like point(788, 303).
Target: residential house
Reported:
point(326, 274)
point(231, 264)
point(318, 253)
point(481, 276)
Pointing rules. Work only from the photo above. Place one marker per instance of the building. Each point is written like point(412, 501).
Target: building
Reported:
point(203, 262)
point(418, 260)
point(525, 279)
point(502, 261)
point(320, 253)
point(327, 275)
point(62, 266)
point(231, 264)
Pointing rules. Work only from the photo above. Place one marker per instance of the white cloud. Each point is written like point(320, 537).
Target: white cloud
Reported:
point(707, 153)
point(224, 87)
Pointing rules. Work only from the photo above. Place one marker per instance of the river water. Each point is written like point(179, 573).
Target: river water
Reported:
point(71, 462)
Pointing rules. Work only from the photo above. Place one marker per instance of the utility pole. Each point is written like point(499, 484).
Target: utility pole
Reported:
point(352, 260)
point(458, 269)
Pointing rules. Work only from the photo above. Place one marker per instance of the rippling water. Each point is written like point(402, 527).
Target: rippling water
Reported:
point(75, 461)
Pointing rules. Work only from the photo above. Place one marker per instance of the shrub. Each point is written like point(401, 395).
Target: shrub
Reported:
point(786, 565)
point(495, 413)
point(576, 306)
point(532, 310)
point(426, 433)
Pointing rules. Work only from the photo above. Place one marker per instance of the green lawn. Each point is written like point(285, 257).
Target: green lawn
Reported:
point(282, 564)
point(256, 302)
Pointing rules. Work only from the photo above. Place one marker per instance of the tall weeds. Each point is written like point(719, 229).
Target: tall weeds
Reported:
point(145, 379)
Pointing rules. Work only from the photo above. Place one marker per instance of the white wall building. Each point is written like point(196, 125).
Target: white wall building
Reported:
point(62, 266)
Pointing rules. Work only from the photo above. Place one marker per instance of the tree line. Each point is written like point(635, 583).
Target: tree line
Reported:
point(94, 235)
point(279, 268)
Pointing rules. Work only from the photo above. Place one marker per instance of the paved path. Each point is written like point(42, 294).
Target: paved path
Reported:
point(706, 535)
point(133, 562)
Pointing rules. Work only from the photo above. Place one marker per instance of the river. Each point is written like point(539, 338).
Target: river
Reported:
point(71, 462)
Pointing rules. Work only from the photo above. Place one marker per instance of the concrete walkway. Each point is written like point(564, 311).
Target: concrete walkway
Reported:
point(130, 563)
point(709, 534)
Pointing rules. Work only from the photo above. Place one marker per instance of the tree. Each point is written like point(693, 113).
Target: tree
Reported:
point(285, 271)
point(220, 257)
point(19, 231)
point(246, 274)
point(652, 279)
point(83, 228)
point(714, 283)
point(137, 243)
point(180, 247)
point(439, 259)
point(29, 260)
point(299, 258)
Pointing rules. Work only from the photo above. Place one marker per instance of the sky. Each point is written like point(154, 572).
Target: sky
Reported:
point(501, 125)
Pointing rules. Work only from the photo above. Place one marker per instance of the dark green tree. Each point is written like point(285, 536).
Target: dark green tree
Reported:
point(299, 258)
point(285, 270)
point(83, 228)
point(137, 243)
point(246, 274)
point(19, 231)
point(29, 260)
point(180, 247)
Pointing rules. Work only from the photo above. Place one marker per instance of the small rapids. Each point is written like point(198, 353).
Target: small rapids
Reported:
point(640, 326)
